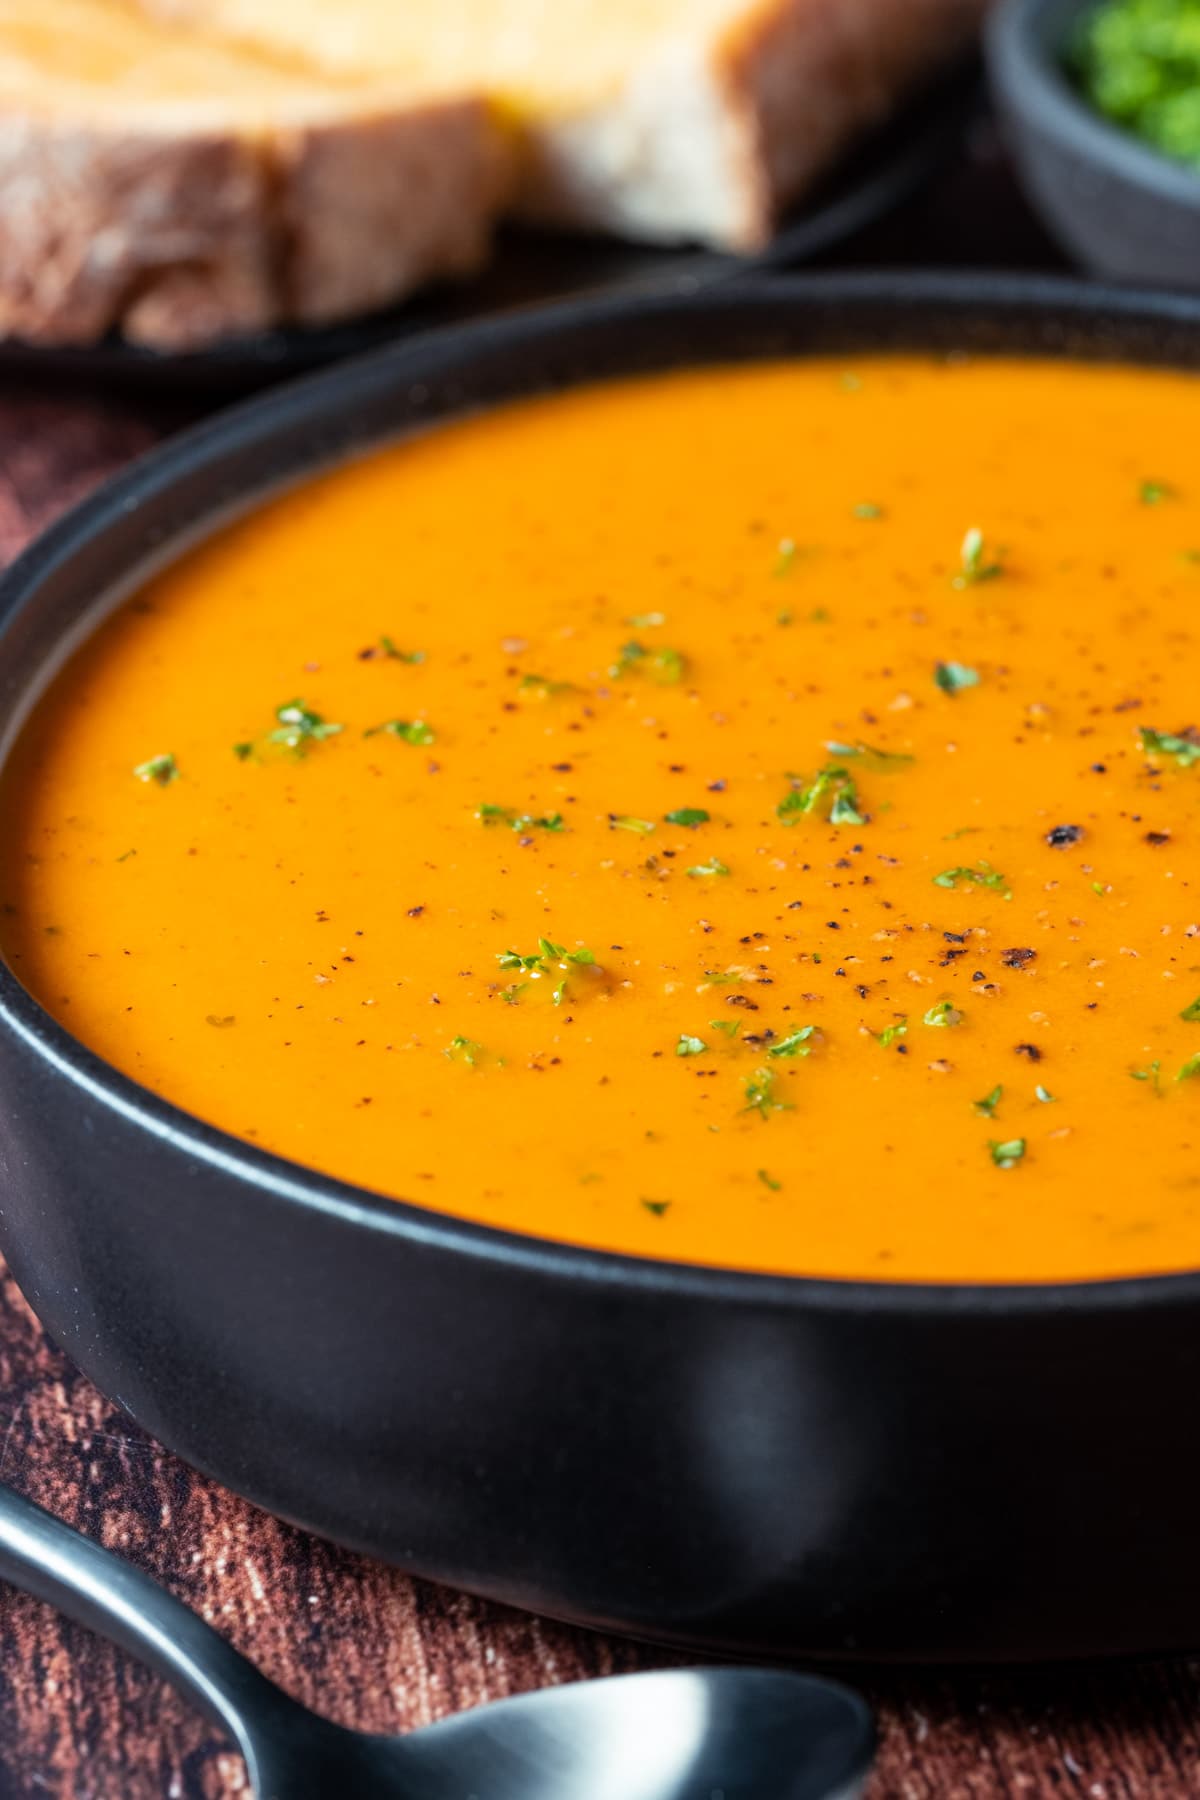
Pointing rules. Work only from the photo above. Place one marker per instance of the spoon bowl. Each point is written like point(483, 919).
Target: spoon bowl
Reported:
point(675, 1734)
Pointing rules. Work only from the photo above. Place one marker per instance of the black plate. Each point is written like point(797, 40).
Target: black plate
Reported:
point(717, 1458)
point(532, 268)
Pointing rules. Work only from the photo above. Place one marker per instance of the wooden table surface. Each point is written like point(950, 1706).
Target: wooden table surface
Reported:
point(361, 1642)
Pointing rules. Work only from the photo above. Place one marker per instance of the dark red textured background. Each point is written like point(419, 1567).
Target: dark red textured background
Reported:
point(364, 1643)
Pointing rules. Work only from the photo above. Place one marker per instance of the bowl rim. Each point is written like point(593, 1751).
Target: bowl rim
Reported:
point(1030, 81)
point(64, 1058)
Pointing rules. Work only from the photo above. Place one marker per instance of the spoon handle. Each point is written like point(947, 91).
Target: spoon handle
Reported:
point(101, 1591)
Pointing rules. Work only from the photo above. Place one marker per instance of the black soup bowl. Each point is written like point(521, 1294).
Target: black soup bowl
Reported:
point(713, 1458)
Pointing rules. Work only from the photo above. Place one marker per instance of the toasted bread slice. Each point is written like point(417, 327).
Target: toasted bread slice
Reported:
point(668, 120)
point(158, 182)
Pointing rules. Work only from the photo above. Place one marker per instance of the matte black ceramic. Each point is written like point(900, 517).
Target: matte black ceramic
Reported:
point(723, 1459)
point(1119, 206)
point(674, 1734)
point(535, 268)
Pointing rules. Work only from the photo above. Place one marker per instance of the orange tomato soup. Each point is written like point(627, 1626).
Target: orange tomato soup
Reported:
point(747, 817)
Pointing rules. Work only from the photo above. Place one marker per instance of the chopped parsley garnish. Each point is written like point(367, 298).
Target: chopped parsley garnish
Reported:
point(1182, 746)
point(1153, 493)
point(729, 1027)
point(299, 726)
point(661, 664)
point(982, 874)
point(624, 822)
point(645, 621)
point(242, 751)
point(1190, 1069)
point(944, 1013)
point(953, 677)
point(518, 821)
point(769, 1182)
point(548, 958)
point(887, 1037)
point(1008, 1154)
point(397, 655)
point(1191, 1013)
point(657, 1207)
point(541, 687)
point(410, 731)
point(987, 1106)
point(787, 557)
point(465, 1050)
point(867, 509)
point(760, 1094)
point(690, 1046)
point(831, 791)
point(974, 564)
point(796, 1043)
point(161, 770)
point(1044, 1095)
point(884, 761)
point(714, 866)
point(1151, 1074)
point(691, 816)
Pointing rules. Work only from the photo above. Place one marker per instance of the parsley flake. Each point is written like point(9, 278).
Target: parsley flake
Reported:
point(691, 816)
point(690, 1046)
point(1183, 746)
point(624, 822)
point(887, 1037)
point(541, 687)
point(1153, 493)
point(944, 1013)
point(714, 866)
point(832, 791)
point(548, 959)
point(769, 1182)
point(299, 727)
point(974, 566)
point(518, 821)
point(409, 731)
point(884, 761)
point(761, 1096)
point(161, 770)
point(982, 874)
point(796, 1043)
point(662, 664)
point(397, 655)
point(465, 1050)
point(953, 677)
point(987, 1106)
point(1008, 1154)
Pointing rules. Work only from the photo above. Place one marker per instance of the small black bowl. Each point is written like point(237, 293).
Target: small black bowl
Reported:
point(1119, 206)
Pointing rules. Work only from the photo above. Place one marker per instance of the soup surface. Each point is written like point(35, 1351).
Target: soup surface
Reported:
point(747, 816)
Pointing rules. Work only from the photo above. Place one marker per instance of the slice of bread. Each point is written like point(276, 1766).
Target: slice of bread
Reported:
point(180, 190)
point(667, 120)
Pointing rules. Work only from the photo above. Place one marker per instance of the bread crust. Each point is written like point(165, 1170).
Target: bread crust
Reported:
point(178, 237)
point(711, 142)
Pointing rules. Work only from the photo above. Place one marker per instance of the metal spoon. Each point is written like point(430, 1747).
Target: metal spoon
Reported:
point(684, 1734)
